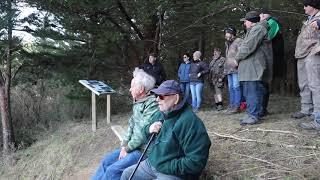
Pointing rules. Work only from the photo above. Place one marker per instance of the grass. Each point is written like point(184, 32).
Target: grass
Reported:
point(74, 152)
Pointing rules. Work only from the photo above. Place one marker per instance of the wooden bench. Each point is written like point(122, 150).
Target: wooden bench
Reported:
point(119, 131)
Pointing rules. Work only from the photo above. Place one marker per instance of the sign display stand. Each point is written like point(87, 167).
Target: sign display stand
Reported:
point(98, 88)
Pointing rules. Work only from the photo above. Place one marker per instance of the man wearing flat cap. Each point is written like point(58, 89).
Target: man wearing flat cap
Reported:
point(181, 147)
point(253, 55)
point(308, 66)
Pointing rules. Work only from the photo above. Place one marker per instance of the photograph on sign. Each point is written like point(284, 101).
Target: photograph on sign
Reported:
point(98, 87)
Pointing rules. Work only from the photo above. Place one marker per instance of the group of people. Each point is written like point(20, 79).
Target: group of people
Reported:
point(161, 109)
point(247, 65)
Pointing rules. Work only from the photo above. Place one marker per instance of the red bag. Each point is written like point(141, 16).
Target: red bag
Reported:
point(243, 106)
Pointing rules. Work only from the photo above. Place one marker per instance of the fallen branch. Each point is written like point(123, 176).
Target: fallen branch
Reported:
point(263, 142)
point(264, 161)
point(276, 131)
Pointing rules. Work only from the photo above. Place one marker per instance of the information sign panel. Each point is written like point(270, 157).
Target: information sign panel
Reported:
point(98, 87)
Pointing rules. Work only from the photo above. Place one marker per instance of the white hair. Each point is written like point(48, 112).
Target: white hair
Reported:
point(197, 54)
point(140, 77)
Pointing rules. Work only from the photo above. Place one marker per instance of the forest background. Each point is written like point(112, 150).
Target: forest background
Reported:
point(104, 40)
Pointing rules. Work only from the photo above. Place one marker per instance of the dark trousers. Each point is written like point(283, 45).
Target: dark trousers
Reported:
point(265, 99)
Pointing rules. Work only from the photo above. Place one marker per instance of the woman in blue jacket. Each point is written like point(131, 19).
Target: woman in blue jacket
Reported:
point(183, 74)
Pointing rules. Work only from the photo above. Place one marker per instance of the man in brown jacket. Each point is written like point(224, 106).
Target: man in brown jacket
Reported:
point(231, 70)
point(308, 65)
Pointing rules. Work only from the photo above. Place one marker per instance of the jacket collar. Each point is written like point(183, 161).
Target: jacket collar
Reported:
point(176, 110)
point(149, 96)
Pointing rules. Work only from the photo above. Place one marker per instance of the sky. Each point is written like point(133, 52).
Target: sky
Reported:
point(25, 11)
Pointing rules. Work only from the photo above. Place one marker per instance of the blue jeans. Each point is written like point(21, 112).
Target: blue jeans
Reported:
point(196, 94)
point(185, 89)
point(111, 168)
point(234, 90)
point(146, 172)
point(254, 92)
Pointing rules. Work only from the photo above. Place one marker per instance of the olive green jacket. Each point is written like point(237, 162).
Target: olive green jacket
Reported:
point(255, 55)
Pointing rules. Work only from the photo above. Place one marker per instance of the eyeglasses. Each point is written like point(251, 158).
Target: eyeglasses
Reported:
point(161, 97)
point(185, 57)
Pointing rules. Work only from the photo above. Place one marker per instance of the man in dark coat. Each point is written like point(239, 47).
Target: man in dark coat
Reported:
point(154, 68)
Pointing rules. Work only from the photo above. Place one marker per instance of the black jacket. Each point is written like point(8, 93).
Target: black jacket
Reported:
point(198, 67)
point(155, 70)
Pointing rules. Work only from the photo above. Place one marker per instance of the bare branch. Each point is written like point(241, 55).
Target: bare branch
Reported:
point(200, 19)
point(128, 18)
point(263, 142)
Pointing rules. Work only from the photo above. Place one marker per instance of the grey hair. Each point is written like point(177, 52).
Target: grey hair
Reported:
point(140, 77)
point(197, 54)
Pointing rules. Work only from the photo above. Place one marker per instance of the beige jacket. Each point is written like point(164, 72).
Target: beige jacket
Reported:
point(308, 42)
point(230, 65)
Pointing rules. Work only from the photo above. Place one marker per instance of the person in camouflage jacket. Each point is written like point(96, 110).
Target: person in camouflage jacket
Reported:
point(145, 109)
point(216, 77)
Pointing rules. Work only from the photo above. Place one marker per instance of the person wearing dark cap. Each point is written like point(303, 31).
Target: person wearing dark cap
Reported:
point(181, 148)
point(252, 56)
point(231, 70)
point(307, 54)
point(154, 68)
point(277, 61)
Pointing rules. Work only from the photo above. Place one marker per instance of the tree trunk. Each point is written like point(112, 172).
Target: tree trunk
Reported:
point(5, 82)
point(8, 137)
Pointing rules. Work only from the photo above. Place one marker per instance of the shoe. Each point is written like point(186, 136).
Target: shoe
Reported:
point(299, 115)
point(264, 113)
point(219, 108)
point(233, 111)
point(248, 121)
point(228, 109)
point(311, 117)
point(310, 126)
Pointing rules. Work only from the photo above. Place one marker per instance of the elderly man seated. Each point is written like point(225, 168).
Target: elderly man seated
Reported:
point(145, 107)
point(180, 150)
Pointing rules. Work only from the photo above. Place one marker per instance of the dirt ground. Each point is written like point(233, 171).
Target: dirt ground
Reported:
point(274, 149)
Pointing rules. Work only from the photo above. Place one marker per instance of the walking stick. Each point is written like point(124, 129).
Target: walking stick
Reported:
point(144, 152)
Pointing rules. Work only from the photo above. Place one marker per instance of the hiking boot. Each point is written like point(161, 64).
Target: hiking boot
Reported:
point(310, 126)
point(248, 121)
point(219, 108)
point(299, 115)
point(233, 111)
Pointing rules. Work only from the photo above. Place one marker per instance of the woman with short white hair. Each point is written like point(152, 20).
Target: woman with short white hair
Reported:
point(197, 72)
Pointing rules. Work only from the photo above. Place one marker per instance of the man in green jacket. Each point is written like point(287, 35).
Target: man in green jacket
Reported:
point(180, 150)
point(253, 56)
point(145, 108)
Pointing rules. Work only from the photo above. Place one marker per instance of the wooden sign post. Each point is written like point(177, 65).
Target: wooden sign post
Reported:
point(98, 88)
